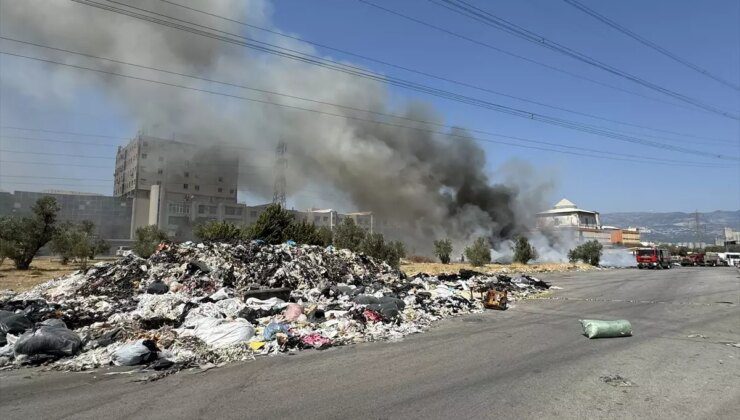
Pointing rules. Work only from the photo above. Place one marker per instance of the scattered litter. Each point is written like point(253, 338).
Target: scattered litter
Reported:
point(205, 305)
point(616, 380)
point(594, 328)
point(496, 300)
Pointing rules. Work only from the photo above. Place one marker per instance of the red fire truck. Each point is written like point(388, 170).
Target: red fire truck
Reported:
point(653, 258)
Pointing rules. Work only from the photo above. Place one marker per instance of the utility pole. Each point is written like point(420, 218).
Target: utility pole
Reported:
point(697, 232)
point(281, 163)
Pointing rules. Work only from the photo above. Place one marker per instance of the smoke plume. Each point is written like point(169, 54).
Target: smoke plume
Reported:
point(420, 184)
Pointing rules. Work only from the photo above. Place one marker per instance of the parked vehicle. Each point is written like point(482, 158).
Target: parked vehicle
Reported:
point(711, 259)
point(730, 258)
point(693, 259)
point(653, 258)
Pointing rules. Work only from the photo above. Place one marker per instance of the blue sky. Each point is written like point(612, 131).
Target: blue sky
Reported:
point(704, 33)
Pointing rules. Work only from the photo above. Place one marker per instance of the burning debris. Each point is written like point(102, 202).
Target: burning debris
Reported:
point(195, 304)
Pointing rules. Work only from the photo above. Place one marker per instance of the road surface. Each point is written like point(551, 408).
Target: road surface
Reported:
point(528, 362)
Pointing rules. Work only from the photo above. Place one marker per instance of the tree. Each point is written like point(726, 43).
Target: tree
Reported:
point(400, 248)
point(479, 253)
point(374, 245)
point(24, 236)
point(303, 233)
point(100, 246)
point(443, 249)
point(589, 252)
point(272, 225)
point(77, 241)
point(325, 236)
point(147, 240)
point(347, 235)
point(523, 251)
point(216, 231)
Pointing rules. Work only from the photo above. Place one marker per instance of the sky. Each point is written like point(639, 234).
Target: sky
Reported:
point(706, 34)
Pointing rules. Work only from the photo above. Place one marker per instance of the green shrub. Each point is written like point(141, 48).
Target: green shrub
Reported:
point(523, 251)
point(216, 231)
point(325, 236)
point(443, 250)
point(589, 252)
point(374, 245)
point(272, 225)
point(347, 235)
point(303, 233)
point(479, 253)
point(147, 240)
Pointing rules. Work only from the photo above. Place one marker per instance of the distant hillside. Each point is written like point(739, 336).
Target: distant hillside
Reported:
point(676, 227)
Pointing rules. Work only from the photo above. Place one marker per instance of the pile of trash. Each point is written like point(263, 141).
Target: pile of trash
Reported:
point(201, 304)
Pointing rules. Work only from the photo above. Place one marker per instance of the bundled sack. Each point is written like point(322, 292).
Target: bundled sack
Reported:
point(51, 340)
point(218, 332)
point(139, 352)
point(594, 328)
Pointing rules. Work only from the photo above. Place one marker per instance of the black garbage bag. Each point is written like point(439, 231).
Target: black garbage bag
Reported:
point(157, 288)
point(13, 323)
point(48, 340)
point(366, 300)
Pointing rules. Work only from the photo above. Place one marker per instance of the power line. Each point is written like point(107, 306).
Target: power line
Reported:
point(529, 60)
point(648, 43)
point(356, 71)
point(57, 154)
point(87, 143)
point(657, 160)
point(241, 86)
point(473, 12)
point(404, 68)
point(21, 162)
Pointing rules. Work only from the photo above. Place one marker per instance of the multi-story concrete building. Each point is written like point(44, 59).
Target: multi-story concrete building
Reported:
point(580, 225)
point(176, 184)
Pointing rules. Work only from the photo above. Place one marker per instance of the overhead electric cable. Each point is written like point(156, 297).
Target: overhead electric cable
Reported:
point(398, 82)
point(675, 148)
point(648, 43)
point(480, 15)
point(412, 70)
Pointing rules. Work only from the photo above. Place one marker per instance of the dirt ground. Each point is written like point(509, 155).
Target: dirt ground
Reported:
point(42, 269)
point(438, 268)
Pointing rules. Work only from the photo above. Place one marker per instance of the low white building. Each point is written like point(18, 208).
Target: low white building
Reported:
point(581, 225)
point(566, 214)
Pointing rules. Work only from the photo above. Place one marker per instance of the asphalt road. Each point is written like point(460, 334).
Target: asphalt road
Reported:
point(528, 362)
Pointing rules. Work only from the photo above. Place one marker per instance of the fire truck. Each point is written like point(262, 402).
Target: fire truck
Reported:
point(653, 258)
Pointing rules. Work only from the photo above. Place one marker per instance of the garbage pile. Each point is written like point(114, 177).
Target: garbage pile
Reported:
point(200, 304)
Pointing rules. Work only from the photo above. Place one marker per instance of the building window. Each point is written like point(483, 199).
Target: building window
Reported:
point(178, 208)
point(143, 155)
point(220, 179)
point(220, 189)
point(159, 182)
point(229, 211)
point(197, 188)
point(231, 192)
point(184, 186)
point(160, 171)
point(326, 218)
point(146, 143)
point(316, 219)
point(187, 174)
